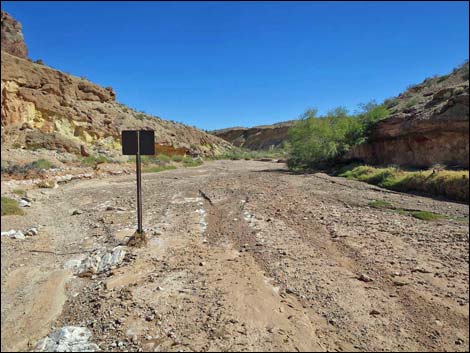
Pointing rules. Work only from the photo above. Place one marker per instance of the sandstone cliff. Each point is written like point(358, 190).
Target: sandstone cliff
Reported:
point(256, 138)
point(12, 37)
point(429, 125)
point(46, 108)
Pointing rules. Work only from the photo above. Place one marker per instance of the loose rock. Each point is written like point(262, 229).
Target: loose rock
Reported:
point(67, 339)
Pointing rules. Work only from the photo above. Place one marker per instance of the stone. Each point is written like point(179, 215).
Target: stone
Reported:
point(400, 282)
point(15, 234)
point(100, 261)
point(31, 232)
point(24, 202)
point(67, 339)
point(12, 37)
point(364, 278)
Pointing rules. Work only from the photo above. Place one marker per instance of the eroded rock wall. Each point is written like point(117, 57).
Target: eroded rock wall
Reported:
point(43, 107)
point(436, 132)
point(12, 37)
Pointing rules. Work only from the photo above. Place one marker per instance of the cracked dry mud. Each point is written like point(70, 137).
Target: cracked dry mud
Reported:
point(242, 255)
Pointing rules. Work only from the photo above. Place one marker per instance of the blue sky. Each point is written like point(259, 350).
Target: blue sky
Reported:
point(221, 64)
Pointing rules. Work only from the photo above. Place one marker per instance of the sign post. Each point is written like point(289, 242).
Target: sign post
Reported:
point(139, 190)
point(138, 142)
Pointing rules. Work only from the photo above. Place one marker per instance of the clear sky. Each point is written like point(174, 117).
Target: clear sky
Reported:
point(222, 64)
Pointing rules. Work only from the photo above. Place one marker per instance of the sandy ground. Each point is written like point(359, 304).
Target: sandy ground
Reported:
point(242, 255)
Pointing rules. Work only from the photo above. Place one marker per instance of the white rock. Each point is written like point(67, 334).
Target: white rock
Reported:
point(16, 234)
point(67, 339)
point(31, 232)
point(24, 203)
point(73, 264)
point(102, 261)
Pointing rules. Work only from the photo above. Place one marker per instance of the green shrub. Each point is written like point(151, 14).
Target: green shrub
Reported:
point(163, 158)
point(177, 158)
point(315, 140)
point(380, 204)
point(39, 165)
point(19, 192)
point(156, 169)
point(238, 153)
point(427, 216)
point(42, 164)
point(412, 102)
point(94, 160)
point(10, 207)
point(190, 162)
point(442, 78)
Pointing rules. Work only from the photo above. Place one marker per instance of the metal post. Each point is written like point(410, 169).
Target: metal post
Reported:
point(139, 189)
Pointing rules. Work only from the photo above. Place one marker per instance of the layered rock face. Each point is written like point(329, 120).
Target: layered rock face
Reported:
point(46, 108)
point(12, 37)
point(434, 130)
point(256, 138)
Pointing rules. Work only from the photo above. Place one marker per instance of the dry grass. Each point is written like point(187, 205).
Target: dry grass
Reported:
point(451, 184)
point(10, 207)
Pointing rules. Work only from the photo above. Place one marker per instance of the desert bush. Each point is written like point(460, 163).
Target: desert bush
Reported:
point(192, 162)
point(313, 140)
point(10, 207)
point(442, 78)
point(411, 102)
point(37, 166)
point(156, 169)
point(46, 184)
point(177, 158)
point(163, 158)
point(238, 153)
point(42, 164)
point(451, 184)
point(94, 160)
point(19, 192)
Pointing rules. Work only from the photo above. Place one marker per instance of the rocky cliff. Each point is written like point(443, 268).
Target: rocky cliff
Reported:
point(429, 125)
point(12, 37)
point(45, 108)
point(256, 138)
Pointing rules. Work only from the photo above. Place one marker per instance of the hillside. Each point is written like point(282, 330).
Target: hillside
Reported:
point(428, 124)
point(261, 137)
point(45, 108)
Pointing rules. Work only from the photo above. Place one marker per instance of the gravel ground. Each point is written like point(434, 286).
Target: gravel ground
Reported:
point(242, 255)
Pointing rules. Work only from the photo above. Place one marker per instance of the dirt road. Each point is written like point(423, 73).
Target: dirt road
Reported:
point(242, 256)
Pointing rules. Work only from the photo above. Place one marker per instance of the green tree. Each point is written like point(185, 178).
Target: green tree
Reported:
point(313, 140)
